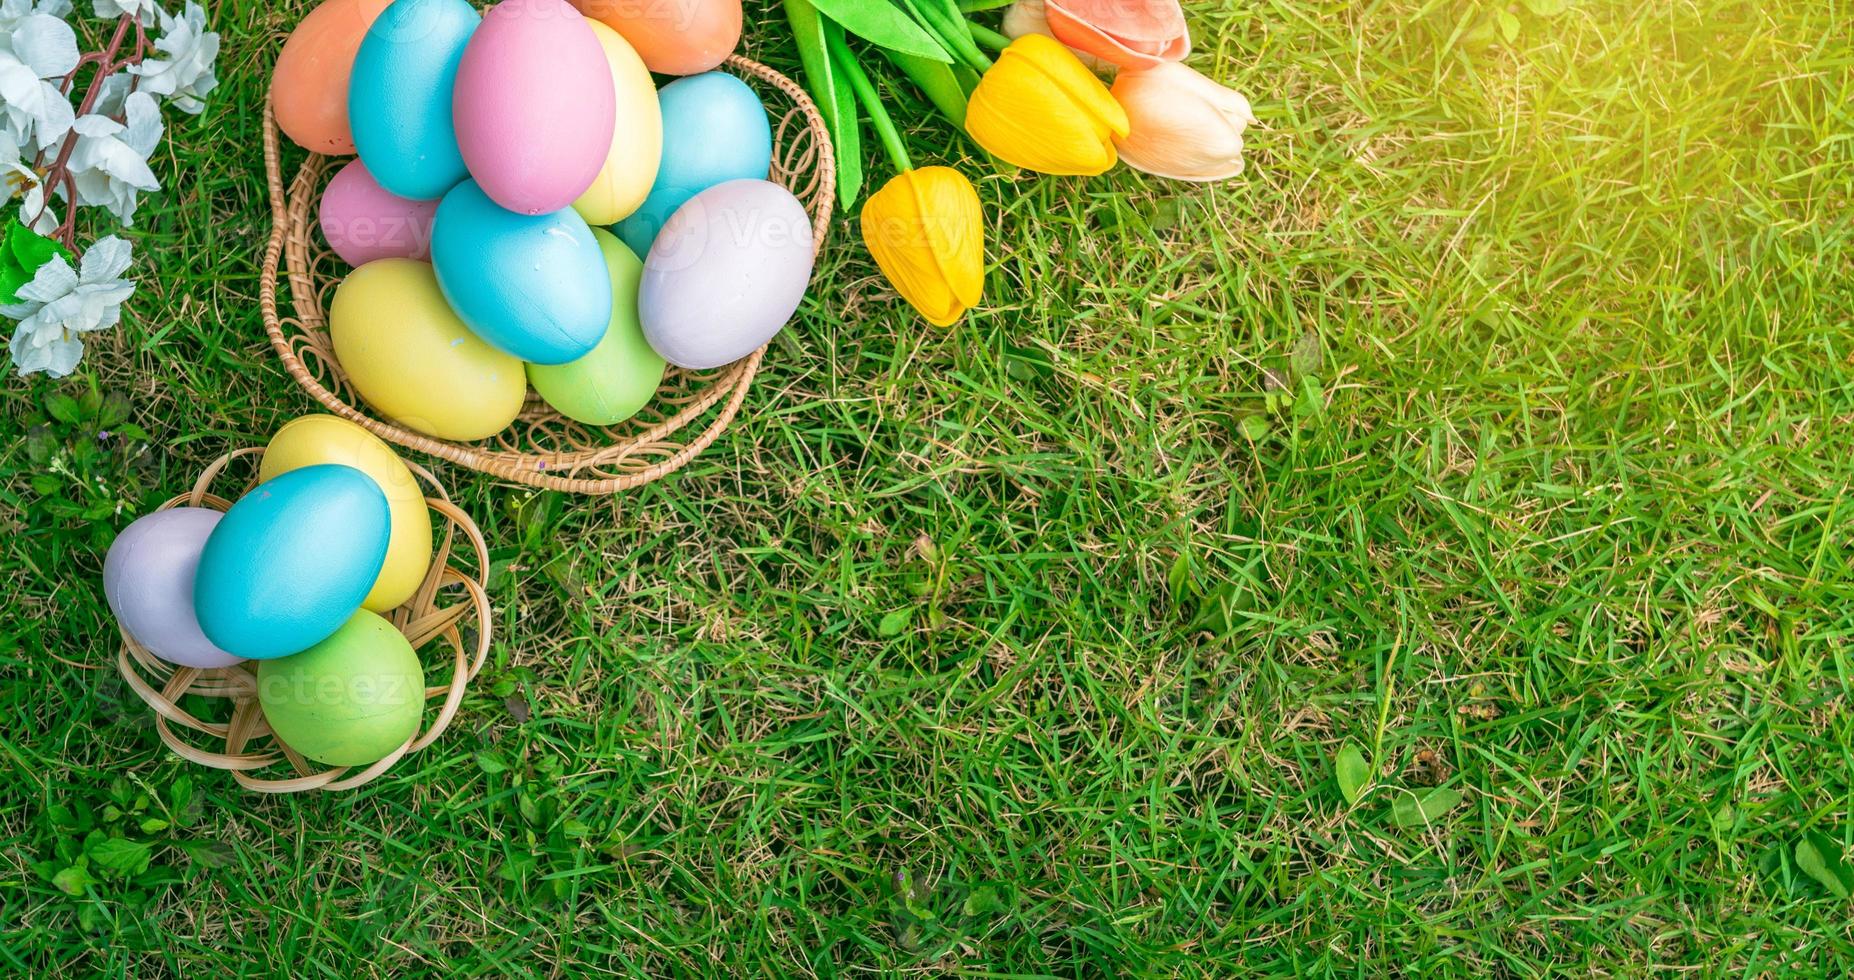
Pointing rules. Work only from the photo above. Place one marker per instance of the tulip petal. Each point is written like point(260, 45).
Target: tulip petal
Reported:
point(1040, 108)
point(926, 232)
point(1185, 126)
point(1130, 20)
point(1126, 33)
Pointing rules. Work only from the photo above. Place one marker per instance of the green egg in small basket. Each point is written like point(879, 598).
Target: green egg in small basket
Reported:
point(383, 687)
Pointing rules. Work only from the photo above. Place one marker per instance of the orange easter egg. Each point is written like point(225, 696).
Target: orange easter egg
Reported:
point(309, 90)
point(674, 37)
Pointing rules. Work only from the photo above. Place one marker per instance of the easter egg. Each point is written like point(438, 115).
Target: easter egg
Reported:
point(309, 87)
point(148, 582)
point(291, 561)
point(637, 139)
point(316, 439)
point(619, 377)
point(534, 286)
point(350, 700)
point(363, 221)
point(674, 37)
point(399, 96)
point(726, 273)
point(412, 359)
point(714, 130)
point(534, 105)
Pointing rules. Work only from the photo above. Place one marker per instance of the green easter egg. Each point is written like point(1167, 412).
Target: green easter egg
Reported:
point(621, 375)
point(350, 699)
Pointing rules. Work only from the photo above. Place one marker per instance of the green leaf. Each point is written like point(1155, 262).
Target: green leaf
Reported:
point(848, 137)
point(1254, 428)
point(1548, 8)
point(491, 763)
point(1309, 354)
point(1822, 858)
point(893, 623)
point(939, 81)
point(209, 853)
point(1217, 610)
point(64, 408)
point(72, 881)
point(122, 854)
point(1509, 24)
point(1179, 580)
point(884, 25)
point(835, 101)
point(1412, 809)
point(1352, 772)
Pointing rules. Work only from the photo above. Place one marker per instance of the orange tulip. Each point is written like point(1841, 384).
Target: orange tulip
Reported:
point(1030, 17)
point(1181, 125)
point(1129, 33)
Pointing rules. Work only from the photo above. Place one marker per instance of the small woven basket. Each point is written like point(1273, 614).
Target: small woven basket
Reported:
point(245, 745)
point(543, 448)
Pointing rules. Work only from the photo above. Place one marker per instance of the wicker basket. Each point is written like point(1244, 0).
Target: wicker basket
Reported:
point(543, 448)
point(240, 744)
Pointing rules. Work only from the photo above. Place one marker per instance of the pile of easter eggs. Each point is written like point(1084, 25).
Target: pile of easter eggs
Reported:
point(528, 208)
point(295, 576)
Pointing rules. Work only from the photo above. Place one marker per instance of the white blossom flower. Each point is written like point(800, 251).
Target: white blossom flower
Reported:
point(34, 213)
point(14, 11)
point(60, 304)
point(37, 49)
point(138, 9)
point(185, 75)
point(109, 163)
point(13, 171)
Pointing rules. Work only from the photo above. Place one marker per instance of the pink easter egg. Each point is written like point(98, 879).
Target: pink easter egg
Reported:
point(364, 221)
point(534, 105)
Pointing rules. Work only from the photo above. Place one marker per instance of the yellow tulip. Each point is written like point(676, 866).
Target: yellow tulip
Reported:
point(925, 231)
point(1042, 109)
point(1185, 126)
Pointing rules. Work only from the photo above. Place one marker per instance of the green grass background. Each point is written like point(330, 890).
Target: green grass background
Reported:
point(1495, 422)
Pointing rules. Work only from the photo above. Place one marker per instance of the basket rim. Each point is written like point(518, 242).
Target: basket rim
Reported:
point(535, 469)
point(161, 685)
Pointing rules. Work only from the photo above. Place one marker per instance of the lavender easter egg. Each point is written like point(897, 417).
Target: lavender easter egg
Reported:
point(291, 561)
point(725, 274)
point(399, 96)
point(534, 286)
point(363, 221)
point(148, 582)
point(534, 106)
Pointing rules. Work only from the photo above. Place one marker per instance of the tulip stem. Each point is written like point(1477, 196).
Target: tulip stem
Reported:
point(954, 32)
point(872, 103)
point(988, 37)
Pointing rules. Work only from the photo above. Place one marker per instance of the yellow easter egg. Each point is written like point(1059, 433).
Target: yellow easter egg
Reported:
point(637, 140)
point(316, 439)
point(414, 361)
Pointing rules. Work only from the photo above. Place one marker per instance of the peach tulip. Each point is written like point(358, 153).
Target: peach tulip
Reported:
point(1182, 125)
point(1129, 33)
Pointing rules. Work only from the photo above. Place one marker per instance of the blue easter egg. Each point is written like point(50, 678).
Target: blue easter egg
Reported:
point(714, 131)
point(534, 286)
point(399, 96)
point(291, 561)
